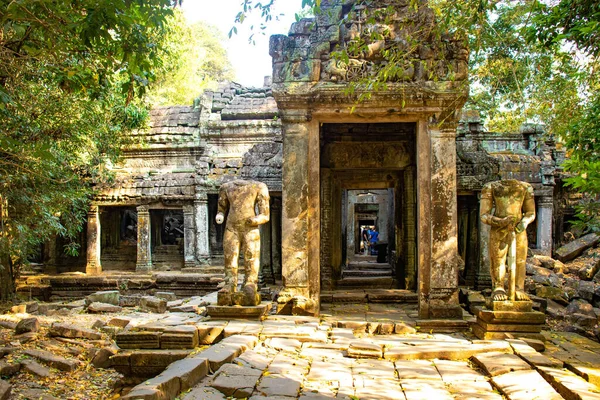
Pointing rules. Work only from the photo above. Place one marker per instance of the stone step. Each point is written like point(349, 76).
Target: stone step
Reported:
point(392, 296)
point(367, 273)
point(367, 265)
point(367, 282)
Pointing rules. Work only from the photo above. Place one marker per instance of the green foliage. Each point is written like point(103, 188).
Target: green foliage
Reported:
point(194, 60)
point(71, 74)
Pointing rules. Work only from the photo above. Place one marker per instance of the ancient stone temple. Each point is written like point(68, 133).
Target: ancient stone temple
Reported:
point(405, 161)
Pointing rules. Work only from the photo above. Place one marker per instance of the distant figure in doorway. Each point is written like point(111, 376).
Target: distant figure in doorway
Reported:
point(373, 238)
point(365, 240)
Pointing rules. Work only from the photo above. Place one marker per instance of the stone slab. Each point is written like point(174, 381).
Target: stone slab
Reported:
point(209, 333)
point(477, 390)
point(73, 332)
point(417, 369)
point(495, 363)
point(5, 389)
point(483, 335)
point(444, 351)
point(518, 306)
point(441, 325)
point(418, 389)
point(9, 368)
point(53, 360)
point(458, 371)
point(511, 317)
point(236, 381)
point(275, 385)
point(528, 328)
point(34, 368)
point(233, 312)
point(525, 385)
point(569, 385)
point(576, 247)
point(363, 349)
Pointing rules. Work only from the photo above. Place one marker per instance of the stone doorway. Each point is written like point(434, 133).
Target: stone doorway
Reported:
point(368, 177)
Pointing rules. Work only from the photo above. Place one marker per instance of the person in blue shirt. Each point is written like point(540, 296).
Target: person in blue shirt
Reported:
point(373, 238)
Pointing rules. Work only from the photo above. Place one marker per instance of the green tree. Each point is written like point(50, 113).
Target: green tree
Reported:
point(71, 73)
point(194, 61)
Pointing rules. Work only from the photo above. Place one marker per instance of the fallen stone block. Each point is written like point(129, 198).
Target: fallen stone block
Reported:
point(102, 358)
point(138, 340)
point(209, 333)
point(5, 350)
point(27, 325)
point(179, 337)
point(34, 368)
point(574, 249)
point(72, 331)
point(106, 297)
point(9, 368)
point(228, 349)
point(153, 304)
point(362, 349)
point(168, 296)
point(25, 308)
point(53, 360)
point(522, 385)
point(119, 322)
point(99, 308)
point(5, 389)
point(7, 324)
point(236, 381)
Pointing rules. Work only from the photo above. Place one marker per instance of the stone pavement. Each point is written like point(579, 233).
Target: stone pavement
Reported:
point(286, 357)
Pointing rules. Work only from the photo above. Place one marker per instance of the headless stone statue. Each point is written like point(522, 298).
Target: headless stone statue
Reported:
point(508, 207)
point(238, 200)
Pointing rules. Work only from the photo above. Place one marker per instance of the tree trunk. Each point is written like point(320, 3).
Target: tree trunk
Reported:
point(7, 283)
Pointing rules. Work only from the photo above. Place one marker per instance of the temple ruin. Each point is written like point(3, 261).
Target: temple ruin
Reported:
point(406, 160)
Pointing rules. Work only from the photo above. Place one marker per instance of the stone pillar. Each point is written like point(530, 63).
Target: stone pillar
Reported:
point(300, 214)
point(443, 274)
point(93, 265)
point(484, 277)
point(202, 224)
point(144, 252)
point(189, 236)
point(545, 209)
point(276, 237)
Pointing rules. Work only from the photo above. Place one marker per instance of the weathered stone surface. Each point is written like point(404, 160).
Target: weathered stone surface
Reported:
point(9, 368)
point(589, 270)
point(417, 369)
point(5, 389)
point(204, 393)
point(521, 328)
point(444, 351)
point(98, 308)
point(274, 385)
point(557, 294)
point(168, 296)
point(27, 325)
point(580, 306)
point(180, 337)
point(524, 385)
point(106, 297)
point(499, 363)
point(511, 317)
point(153, 304)
point(138, 340)
point(491, 335)
point(209, 333)
point(34, 368)
point(284, 344)
point(569, 385)
point(363, 349)
point(572, 250)
point(232, 312)
point(236, 381)
point(457, 371)
point(72, 331)
point(416, 389)
point(477, 390)
point(53, 360)
point(30, 307)
point(102, 358)
point(120, 322)
point(507, 305)
point(226, 350)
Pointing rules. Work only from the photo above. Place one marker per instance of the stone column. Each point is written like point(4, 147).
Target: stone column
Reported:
point(300, 213)
point(545, 209)
point(93, 265)
point(189, 236)
point(484, 277)
point(201, 224)
point(276, 237)
point(443, 290)
point(144, 252)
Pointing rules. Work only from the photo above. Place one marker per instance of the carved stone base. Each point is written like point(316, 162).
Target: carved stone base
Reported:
point(500, 324)
point(507, 305)
point(246, 299)
point(238, 312)
point(290, 304)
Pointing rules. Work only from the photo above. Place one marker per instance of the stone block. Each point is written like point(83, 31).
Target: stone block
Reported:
point(98, 308)
point(422, 389)
point(445, 351)
point(233, 312)
point(274, 385)
point(27, 325)
point(138, 340)
point(226, 350)
point(9, 368)
point(525, 385)
point(363, 349)
point(568, 384)
point(189, 371)
point(72, 331)
point(153, 304)
point(417, 369)
point(522, 328)
point(519, 306)
point(168, 296)
point(5, 389)
point(30, 307)
point(284, 344)
point(495, 363)
point(53, 360)
point(147, 363)
point(511, 317)
point(106, 297)
point(35, 368)
point(236, 381)
point(119, 322)
point(572, 250)
point(209, 333)
point(102, 358)
point(457, 371)
point(485, 335)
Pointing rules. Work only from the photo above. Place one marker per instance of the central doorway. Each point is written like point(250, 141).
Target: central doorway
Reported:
point(368, 180)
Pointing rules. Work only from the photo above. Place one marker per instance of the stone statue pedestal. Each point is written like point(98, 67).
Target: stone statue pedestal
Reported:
point(507, 320)
point(239, 312)
point(244, 299)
